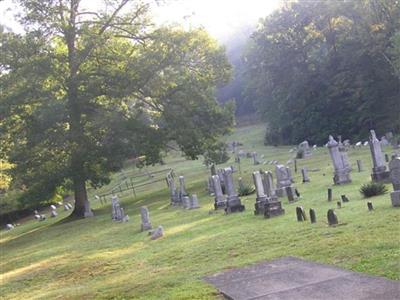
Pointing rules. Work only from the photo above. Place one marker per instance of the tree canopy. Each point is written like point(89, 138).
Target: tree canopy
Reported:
point(326, 67)
point(82, 90)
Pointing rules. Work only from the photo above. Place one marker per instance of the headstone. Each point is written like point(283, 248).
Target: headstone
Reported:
point(358, 144)
point(220, 200)
point(344, 198)
point(220, 174)
point(284, 179)
point(366, 143)
point(9, 226)
point(157, 233)
point(304, 150)
point(384, 141)
point(341, 173)
point(186, 202)
point(70, 205)
point(233, 203)
point(343, 154)
point(88, 212)
point(210, 186)
point(394, 167)
point(261, 198)
point(182, 188)
point(53, 207)
point(295, 165)
point(42, 217)
point(329, 194)
point(370, 206)
point(53, 213)
point(194, 202)
point(296, 192)
point(301, 214)
point(66, 207)
point(290, 195)
point(272, 207)
point(117, 212)
point(146, 224)
point(213, 170)
point(313, 217)
point(332, 218)
point(37, 217)
point(255, 160)
point(174, 194)
point(339, 204)
point(359, 165)
point(379, 172)
point(305, 175)
point(386, 157)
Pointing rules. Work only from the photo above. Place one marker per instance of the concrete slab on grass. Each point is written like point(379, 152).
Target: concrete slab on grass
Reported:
point(293, 278)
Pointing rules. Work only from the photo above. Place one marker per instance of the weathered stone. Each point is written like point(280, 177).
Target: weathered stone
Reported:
point(370, 206)
point(339, 204)
point(394, 167)
point(304, 150)
point(379, 172)
point(53, 207)
point(332, 218)
point(329, 194)
point(344, 198)
point(117, 212)
point(174, 194)
point(53, 213)
point(284, 179)
point(186, 202)
point(359, 165)
point(220, 200)
point(305, 175)
point(261, 198)
point(301, 214)
point(182, 188)
point(343, 154)
point(295, 165)
point(145, 217)
point(255, 160)
point(88, 212)
point(313, 217)
point(157, 233)
point(342, 172)
point(233, 203)
point(290, 195)
point(194, 202)
point(66, 207)
point(9, 226)
point(273, 208)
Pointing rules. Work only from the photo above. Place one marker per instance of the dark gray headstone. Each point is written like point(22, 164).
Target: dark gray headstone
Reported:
point(332, 218)
point(329, 194)
point(339, 204)
point(370, 206)
point(313, 217)
point(301, 214)
point(344, 198)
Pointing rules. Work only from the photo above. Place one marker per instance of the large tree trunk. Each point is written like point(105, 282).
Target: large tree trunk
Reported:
point(81, 200)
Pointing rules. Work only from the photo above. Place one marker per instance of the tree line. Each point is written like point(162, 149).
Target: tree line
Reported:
point(314, 68)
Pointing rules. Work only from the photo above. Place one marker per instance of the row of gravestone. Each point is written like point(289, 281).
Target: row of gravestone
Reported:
point(118, 214)
point(179, 196)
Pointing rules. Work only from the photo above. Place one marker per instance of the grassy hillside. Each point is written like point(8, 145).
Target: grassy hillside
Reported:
point(97, 258)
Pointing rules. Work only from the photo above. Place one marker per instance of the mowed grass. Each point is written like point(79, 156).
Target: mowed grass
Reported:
point(97, 258)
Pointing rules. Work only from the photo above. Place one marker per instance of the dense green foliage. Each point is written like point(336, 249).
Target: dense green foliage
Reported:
point(316, 68)
point(373, 189)
point(82, 91)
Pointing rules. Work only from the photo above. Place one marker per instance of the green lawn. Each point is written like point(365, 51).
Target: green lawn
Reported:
point(97, 258)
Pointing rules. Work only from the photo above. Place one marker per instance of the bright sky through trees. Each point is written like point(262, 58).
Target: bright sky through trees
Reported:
point(220, 17)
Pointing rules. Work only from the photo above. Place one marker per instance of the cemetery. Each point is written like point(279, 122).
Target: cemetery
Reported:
point(200, 149)
point(176, 248)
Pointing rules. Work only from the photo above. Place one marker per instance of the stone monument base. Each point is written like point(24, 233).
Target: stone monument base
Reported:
point(259, 205)
point(219, 204)
point(281, 192)
point(233, 204)
point(273, 209)
point(341, 178)
point(395, 197)
point(381, 176)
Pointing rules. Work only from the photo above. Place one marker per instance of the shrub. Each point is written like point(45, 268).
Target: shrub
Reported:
point(246, 189)
point(373, 189)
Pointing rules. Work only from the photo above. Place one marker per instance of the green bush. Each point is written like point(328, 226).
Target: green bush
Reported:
point(373, 189)
point(246, 189)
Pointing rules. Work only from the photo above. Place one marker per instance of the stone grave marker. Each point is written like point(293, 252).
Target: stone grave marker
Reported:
point(379, 172)
point(290, 195)
point(341, 170)
point(220, 200)
point(344, 198)
point(9, 226)
point(304, 150)
point(301, 214)
point(304, 173)
point(157, 233)
point(359, 165)
point(313, 217)
point(394, 167)
point(261, 197)
point(145, 216)
point(284, 179)
point(329, 194)
point(332, 218)
point(194, 202)
point(370, 206)
point(233, 203)
point(339, 204)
